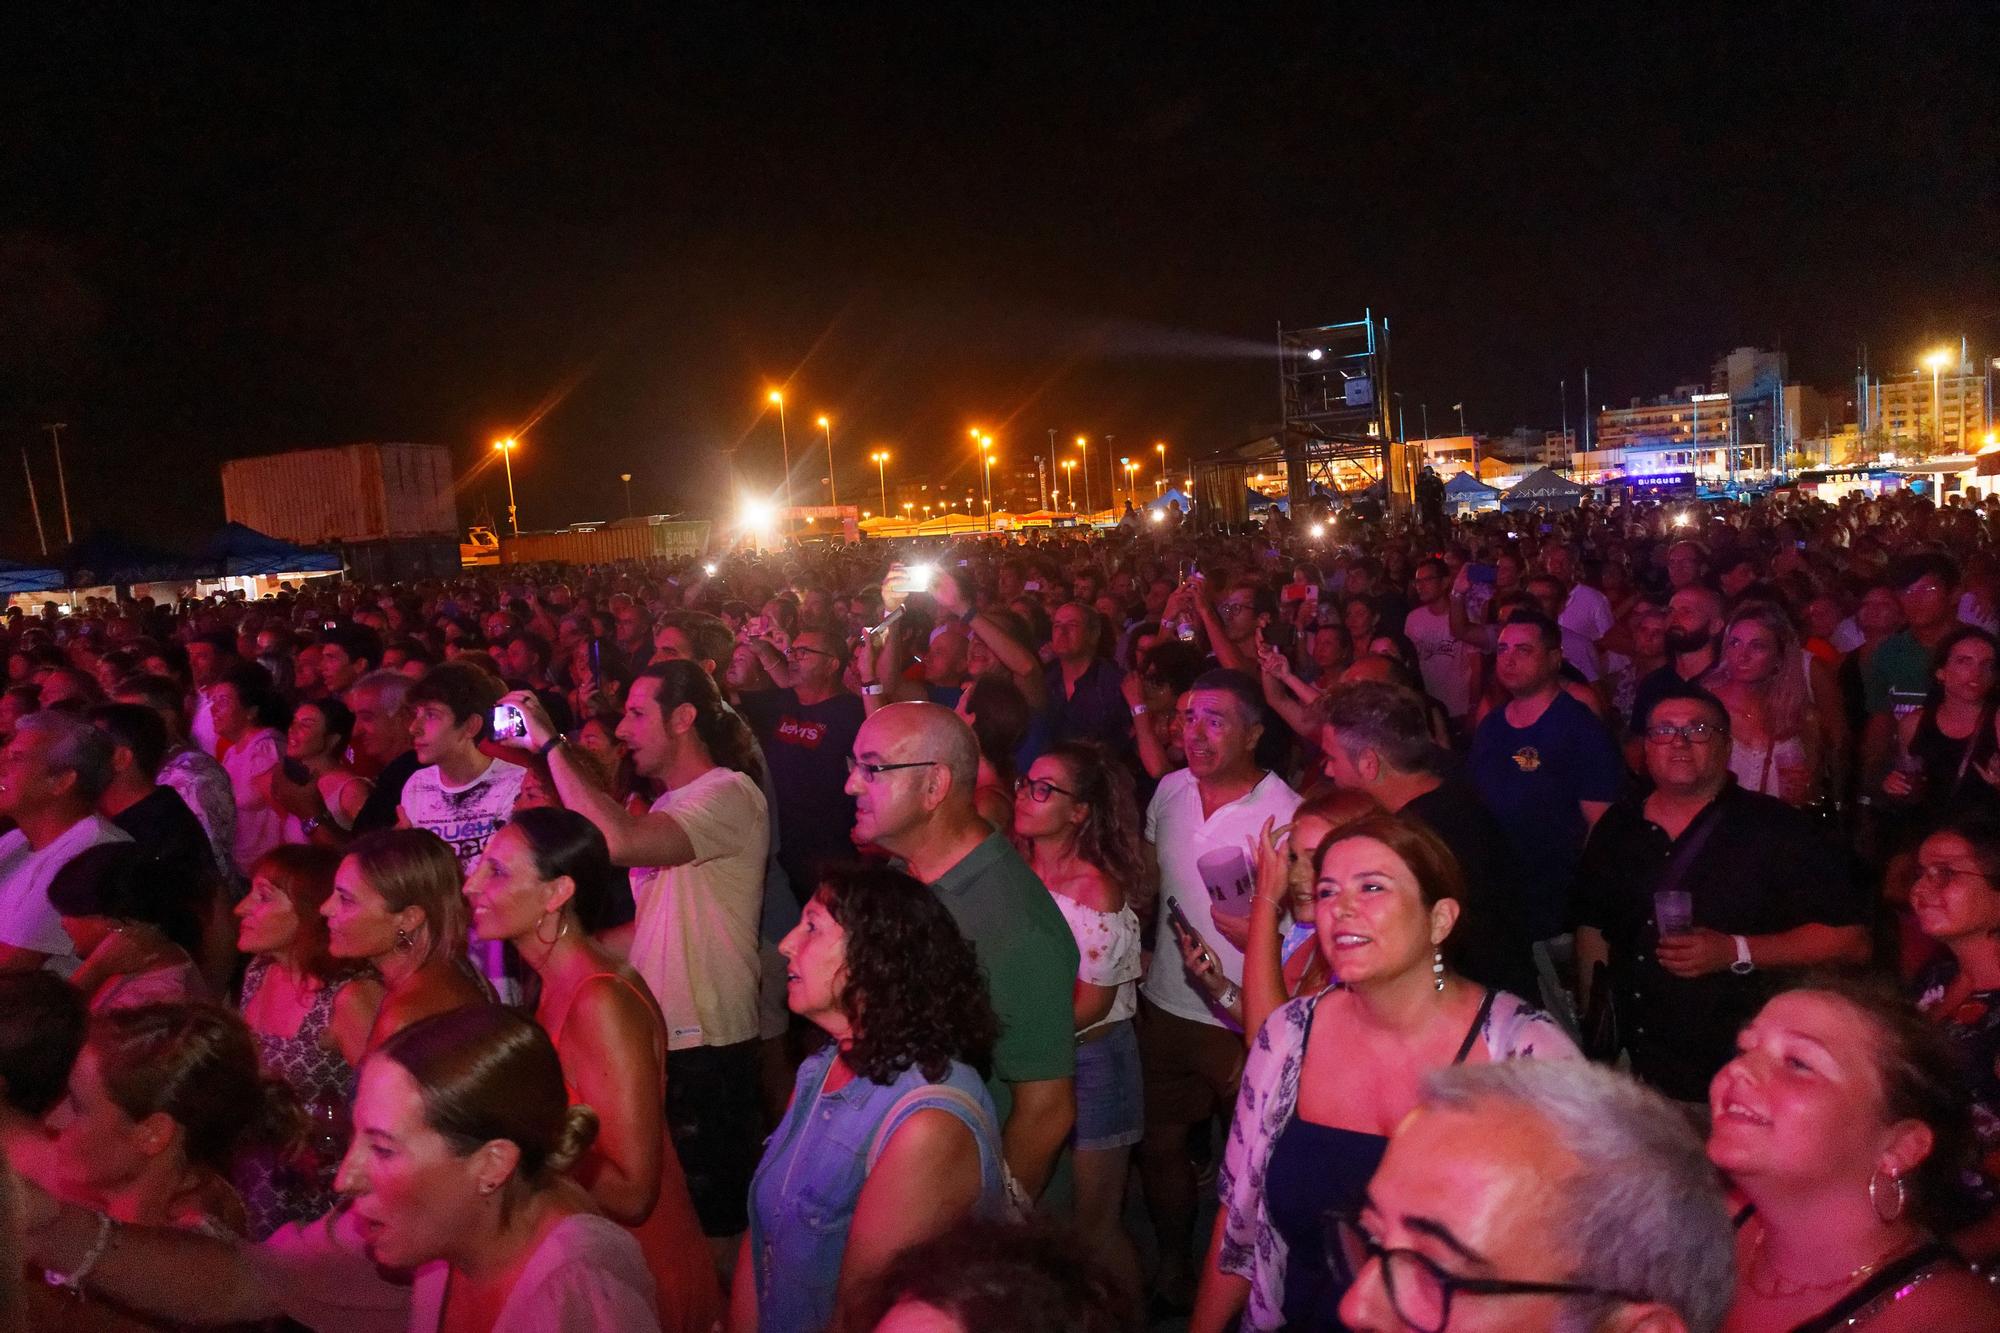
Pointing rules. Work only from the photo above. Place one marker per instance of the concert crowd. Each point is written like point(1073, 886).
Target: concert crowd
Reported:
point(1518, 921)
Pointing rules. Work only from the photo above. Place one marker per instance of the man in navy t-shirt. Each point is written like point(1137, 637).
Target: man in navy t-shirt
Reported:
point(807, 726)
point(1545, 766)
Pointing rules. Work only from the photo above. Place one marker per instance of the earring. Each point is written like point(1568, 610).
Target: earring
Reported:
point(1876, 1191)
point(486, 1187)
point(403, 939)
point(1437, 969)
point(562, 928)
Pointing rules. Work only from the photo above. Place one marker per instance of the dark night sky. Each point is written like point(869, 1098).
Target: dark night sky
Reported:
point(232, 235)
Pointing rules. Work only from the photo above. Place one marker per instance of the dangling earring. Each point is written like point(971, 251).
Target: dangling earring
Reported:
point(562, 928)
point(1437, 969)
point(403, 939)
point(1876, 1190)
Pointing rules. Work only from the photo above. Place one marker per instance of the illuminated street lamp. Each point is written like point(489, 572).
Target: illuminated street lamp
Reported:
point(626, 477)
point(1161, 449)
point(1937, 361)
point(1069, 467)
point(880, 458)
point(909, 507)
point(832, 488)
point(985, 478)
point(1083, 444)
point(507, 448)
point(1131, 480)
point(777, 399)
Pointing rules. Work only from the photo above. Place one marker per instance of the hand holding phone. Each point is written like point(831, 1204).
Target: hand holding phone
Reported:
point(508, 723)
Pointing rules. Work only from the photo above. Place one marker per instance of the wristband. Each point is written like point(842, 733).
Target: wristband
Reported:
point(1230, 995)
point(871, 688)
point(1140, 710)
point(550, 744)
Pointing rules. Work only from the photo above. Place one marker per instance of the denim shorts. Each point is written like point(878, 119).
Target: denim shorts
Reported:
point(1110, 1111)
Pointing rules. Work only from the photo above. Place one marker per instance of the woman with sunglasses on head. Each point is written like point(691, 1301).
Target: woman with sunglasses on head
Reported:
point(1077, 825)
point(1842, 1123)
point(546, 885)
point(1332, 1073)
point(1956, 903)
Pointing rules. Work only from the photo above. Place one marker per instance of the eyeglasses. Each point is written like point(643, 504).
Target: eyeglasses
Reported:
point(1039, 789)
point(869, 772)
point(798, 648)
point(1940, 874)
point(1231, 608)
point(1694, 733)
point(1419, 1290)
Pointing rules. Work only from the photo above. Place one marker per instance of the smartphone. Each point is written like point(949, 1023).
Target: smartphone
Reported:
point(1480, 573)
point(508, 723)
point(329, 624)
point(918, 577)
point(1179, 918)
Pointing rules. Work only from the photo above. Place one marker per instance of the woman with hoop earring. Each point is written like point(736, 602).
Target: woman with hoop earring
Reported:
point(543, 885)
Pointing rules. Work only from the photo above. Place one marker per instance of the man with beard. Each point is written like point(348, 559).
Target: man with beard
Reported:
point(1694, 636)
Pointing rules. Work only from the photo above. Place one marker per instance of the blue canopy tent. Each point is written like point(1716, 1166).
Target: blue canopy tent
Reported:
point(102, 558)
point(1257, 500)
point(238, 552)
point(1544, 488)
point(1173, 495)
point(1465, 491)
point(27, 578)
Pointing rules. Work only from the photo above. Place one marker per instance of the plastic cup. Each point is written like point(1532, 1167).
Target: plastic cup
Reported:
point(1673, 912)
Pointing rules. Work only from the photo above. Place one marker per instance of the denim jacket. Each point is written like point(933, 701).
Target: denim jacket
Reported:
point(803, 1195)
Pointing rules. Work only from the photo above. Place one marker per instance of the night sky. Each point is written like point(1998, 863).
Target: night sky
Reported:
point(235, 231)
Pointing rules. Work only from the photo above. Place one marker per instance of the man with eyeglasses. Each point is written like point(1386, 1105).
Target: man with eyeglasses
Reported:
point(1085, 697)
point(1898, 676)
point(912, 774)
point(807, 725)
point(1764, 890)
point(1534, 1195)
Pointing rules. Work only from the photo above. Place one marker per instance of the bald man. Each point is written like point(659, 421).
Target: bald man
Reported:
point(912, 774)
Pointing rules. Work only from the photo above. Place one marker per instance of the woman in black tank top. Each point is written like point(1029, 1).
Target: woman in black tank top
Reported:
point(1844, 1124)
point(1947, 750)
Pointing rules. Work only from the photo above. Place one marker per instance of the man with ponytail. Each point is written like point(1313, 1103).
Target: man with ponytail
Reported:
point(697, 861)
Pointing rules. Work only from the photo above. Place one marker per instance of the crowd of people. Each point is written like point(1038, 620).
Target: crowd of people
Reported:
point(1585, 920)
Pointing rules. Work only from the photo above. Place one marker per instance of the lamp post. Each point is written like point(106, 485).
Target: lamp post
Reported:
point(909, 510)
point(880, 458)
point(1083, 444)
point(507, 448)
point(1160, 448)
point(784, 443)
point(1936, 361)
point(986, 476)
point(1069, 481)
point(832, 487)
point(626, 477)
point(1131, 481)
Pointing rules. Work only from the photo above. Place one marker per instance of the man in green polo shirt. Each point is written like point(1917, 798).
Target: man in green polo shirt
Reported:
point(912, 774)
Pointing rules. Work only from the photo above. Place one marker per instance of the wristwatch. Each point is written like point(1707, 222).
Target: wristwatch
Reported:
point(1742, 967)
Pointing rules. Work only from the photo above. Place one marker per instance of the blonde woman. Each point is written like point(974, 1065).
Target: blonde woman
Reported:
point(1775, 742)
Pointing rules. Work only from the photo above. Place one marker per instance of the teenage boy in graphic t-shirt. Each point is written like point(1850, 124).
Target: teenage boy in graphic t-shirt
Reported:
point(460, 793)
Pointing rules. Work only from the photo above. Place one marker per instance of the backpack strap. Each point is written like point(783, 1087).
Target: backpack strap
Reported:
point(921, 1097)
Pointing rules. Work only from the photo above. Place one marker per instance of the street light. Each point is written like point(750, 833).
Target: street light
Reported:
point(1069, 467)
point(785, 443)
point(909, 506)
point(507, 448)
point(1131, 480)
point(1937, 361)
point(626, 477)
point(1083, 443)
point(880, 458)
point(832, 489)
point(1161, 449)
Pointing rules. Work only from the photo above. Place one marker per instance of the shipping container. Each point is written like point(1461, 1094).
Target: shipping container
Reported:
point(351, 493)
point(402, 560)
point(653, 538)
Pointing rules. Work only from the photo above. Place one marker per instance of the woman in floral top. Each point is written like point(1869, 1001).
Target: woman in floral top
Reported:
point(1331, 1073)
point(1078, 827)
point(1956, 902)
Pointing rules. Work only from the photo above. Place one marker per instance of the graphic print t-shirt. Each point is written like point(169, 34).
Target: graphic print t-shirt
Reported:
point(463, 816)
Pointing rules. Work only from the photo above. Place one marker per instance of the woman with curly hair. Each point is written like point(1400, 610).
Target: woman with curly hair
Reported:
point(890, 1137)
point(1077, 825)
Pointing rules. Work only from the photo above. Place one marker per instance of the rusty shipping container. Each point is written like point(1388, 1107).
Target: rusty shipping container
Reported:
point(346, 494)
point(640, 539)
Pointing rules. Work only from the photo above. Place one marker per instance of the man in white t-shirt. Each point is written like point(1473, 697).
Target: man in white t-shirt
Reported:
point(1190, 1049)
point(697, 860)
point(51, 774)
point(461, 793)
point(1585, 614)
point(1444, 655)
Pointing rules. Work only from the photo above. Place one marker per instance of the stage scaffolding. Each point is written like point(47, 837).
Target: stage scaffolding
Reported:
point(1335, 428)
